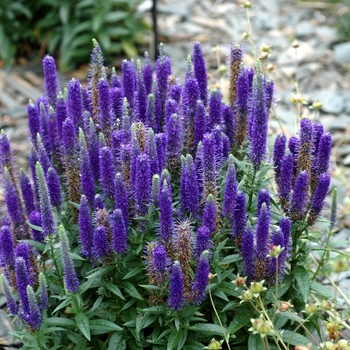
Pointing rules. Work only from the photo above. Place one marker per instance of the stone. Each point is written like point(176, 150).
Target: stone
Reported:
point(326, 34)
point(342, 52)
point(332, 101)
point(304, 29)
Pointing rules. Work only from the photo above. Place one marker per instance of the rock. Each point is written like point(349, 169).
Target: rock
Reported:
point(5, 328)
point(342, 52)
point(331, 123)
point(326, 34)
point(332, 101)
point(304, 29)
point(346, 160)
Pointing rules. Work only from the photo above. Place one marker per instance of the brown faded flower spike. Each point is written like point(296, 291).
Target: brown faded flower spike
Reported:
point(235, 59)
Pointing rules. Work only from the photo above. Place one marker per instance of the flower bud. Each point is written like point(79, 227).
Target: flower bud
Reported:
point(245, 35)
point(275, 250)
point(317, 105)
point(239, 281)
point(343, 345)
point(326, 305)
point(340, 266)
point(248, 5)
point(257, 287)
point(295, 44)
point(246, 295)
point(214, 345)
point(311, 308)
point(284, 306)
point(257, 323)
point(264, 329)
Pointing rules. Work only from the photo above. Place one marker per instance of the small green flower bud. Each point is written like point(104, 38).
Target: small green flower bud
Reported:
point(275, 250)
point(311, 308)
point(317, 105)
point(256, 323)
point(246, 295)
point(326, 305)
point(245, 35)
point(343, 345)
point(340, 265)
point(239, 281)
point(214, 345)
point(256, 287)
point(264, 329)
point(248, 5)
point(295, 44)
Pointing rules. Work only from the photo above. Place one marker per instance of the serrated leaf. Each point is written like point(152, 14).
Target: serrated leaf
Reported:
point(35, 244)
point(230, 259)
point(209, 328)
point(115, 290)
point(116, 342)
point(238, 322)
point(83, 325)
point(116, 16)
point(133, 272)
point(106, 326)
point(101, 272)
point(255, 342)
point(155, 310)
point(303, 281)
point(149, 287)
point(132, 291)
point(294, 339)
point(322, 290)
point(173, 339)
point(62, 305)
point(59, 321)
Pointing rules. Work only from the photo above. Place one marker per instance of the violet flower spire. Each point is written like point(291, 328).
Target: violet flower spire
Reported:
point(104, 101)
point(175, 93)
point(141, 95)
point(277, 240)
point(42, 155)
point(107, 172)
point(50, 79)
point(263, 197)
point(200, 72)
point(158, 119)
point(199, 168)
point(161, 143)
point(101, 248)
point(151, 150)
point(299, 198)
point(230, 192)
point(183, 180)
point(317, 200)
point(117, 101)
point(248, 254)
point(7, 250)
point(75, 104)
point(119, 232)
point(239, 219)
point(70, 276)
point(293, 146)
point(85, 228)
point(230, 123)
point(151, 112)
point(166, 219)
point(35, 219)
point(203, 241)
point(6, 154)
point(209, 165)
point(200, 121)
point(209, 214)
point(22, 281)
point(34, 314)
point(44, 295)
point(115, 79)
point(129, 83)
point(258, 120)
point(278, 153)
point(262, 242)
point(176, 287)
point(53, 184)
point(235, 60)
point(11, 302)
point(87, 178)
point(33, 121)
point(324, 152)
point(219, 145)
point(61, 114)
point(171, 107)
point(24, 250)
point(201, 279)
point(160, 264)
point(173, 142)
point(143, 183)
point(191, 187)
point(215, 109)
point(94, 151)
point(48, 223)
point(305, 149)
point(147, 73)
point(99, 203)
point(286, 226)
point(285, 180)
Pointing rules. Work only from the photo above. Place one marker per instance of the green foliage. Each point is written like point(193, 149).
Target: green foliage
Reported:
point(66, 28)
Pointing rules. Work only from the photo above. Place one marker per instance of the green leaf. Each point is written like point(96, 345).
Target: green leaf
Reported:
point(155, 310)
point(208, 328)
point(59, 321)
point(116, 16)
point(238, 322)
point(83, 325)
point(283, 317)
point(255, 342)
point(62, 305)
point(101, 272)
point(76, 257)
point(116, 342)
point(133, 272)
point(321, 290)
point(149, 287)
point(104, 325)
point(64, 13)
point(303, 281)
point(230, 259)
point(173, 339)
point(297, 339)
point(115, 290)
point(104, 40)
point(131, 290)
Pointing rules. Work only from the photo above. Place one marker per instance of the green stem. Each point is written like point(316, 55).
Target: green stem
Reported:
point(252, 190)
point(55, 263)
point(324, 254)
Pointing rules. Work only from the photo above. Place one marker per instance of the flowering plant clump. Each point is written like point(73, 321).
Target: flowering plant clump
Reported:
point(152, 220)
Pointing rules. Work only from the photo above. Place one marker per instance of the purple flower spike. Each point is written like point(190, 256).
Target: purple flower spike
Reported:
point(277, 240)
point(44, 297)
point(175, 92)
point(305, 149)
point(294, 145)
point(248, 254)
point(151, 112)
point(225, 146)
point(215, 109)
point(151, 150)
point(160, 261)
point(34, 315)
point(48, 223)
point(200, 121)
point(94, 151)
point(115, 80)
point(33, 121)
point(203, 241)
point(129, 83)
point(117, 100)
point(75, 104)
point(258, 121)
point(105, 109)
point(269, 87)
point(121, 199)
point(22, 281)
point(12, 200)
point(147, 73)
point(199, 168)
point(235, 60)
point(7, 246)
point(191, 187)
point(324, 152)
point(158, 119)
point(70, 276)
point(166, 218)
point(141, 96)
point(230, 194)
point(86, 175)
point(100, 248)
point(68, 134)
point(171, 107)
point(317, 132)
point(50, 81)
point(209, 165)
point(176, 287)
point(86, 100)
point(166, 176)
point(286, 226)
point(119, 232)
point(107, 172)
point(5, 151)
point(11, 302)
point(42, 155)
point(143, 183)
point(240, 219)
point(209, 214)
point(219, 145)
point(285, 180)
point(317, 200)
point(201, 279)
point(161, 142)
point(61, 114)
point(173, 145)
point(23, 250)
point(98, 203)
point(200, 71)
point(299, 198)
point(53, 184)
point(35, 219)
point(229, 121)
point(85, 228)
point(263, 197)
point(278, 153)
